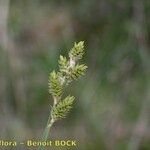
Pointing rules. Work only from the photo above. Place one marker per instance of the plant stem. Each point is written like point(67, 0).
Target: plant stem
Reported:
point(46, 131)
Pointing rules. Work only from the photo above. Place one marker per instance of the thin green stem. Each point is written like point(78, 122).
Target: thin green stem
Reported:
point(46, 132)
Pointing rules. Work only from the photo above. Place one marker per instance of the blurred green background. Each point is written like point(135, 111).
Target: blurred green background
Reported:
point(112, 106)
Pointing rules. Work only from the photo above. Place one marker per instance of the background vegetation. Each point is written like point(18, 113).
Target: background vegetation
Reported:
point(112, 107)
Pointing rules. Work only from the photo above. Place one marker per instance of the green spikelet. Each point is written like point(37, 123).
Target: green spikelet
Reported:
point(63, 64)
point(62, 108)
point(77, 51)
point(78, 71)
point(55, 87)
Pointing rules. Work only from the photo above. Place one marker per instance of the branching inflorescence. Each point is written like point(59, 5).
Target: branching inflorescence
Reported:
point(69, 70)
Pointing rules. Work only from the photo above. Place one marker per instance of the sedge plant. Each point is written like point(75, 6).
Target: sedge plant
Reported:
point(69, 70)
